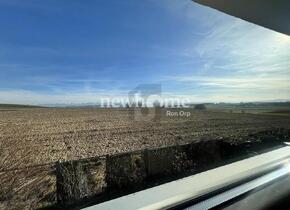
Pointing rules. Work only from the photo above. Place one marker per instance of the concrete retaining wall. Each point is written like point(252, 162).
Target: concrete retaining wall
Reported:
point(80, 179)
point(68, 183)
point(123, 173)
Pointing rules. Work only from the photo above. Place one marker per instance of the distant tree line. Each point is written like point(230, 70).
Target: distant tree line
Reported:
point(200, 107)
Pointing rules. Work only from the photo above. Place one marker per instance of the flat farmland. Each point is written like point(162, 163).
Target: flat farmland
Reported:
point(32, 136)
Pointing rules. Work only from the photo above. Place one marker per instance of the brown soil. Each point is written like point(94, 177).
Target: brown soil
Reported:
point(43, 135)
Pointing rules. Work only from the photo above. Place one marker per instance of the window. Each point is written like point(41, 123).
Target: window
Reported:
point(122, 92)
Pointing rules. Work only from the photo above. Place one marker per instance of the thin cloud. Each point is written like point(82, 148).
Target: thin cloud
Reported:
point(236, 82)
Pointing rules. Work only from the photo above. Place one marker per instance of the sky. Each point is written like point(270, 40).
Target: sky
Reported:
point(73, 51)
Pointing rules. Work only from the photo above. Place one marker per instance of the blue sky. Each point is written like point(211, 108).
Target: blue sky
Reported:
point(62, 51)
